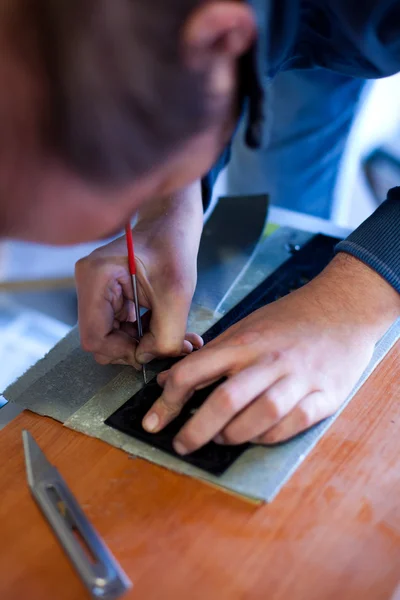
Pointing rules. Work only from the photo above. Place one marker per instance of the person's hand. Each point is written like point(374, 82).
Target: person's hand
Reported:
point(288, 365)
point(166, 240)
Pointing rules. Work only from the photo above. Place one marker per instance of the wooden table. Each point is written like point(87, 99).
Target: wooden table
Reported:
point(332, 533)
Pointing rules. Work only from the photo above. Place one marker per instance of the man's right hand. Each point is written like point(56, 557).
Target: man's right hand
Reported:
point(166, 238)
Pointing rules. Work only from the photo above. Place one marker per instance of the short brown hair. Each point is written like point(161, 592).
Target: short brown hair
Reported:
point(122, 98)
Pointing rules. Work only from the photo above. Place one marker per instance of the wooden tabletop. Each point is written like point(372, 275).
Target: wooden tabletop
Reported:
point(332, 533)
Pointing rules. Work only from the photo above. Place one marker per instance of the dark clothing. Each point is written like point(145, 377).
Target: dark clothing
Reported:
point(377, 241)
point(349, 37)
point(352, 37)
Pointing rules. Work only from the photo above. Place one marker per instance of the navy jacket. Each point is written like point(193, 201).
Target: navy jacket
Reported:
point(358, 38)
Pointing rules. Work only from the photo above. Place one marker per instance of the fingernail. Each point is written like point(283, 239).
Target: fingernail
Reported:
point(145, 358)
point(180, 448)
point(219, 439)
point(151, 422)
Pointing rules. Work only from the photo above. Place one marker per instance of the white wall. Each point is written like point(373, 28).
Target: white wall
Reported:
point(377, 123)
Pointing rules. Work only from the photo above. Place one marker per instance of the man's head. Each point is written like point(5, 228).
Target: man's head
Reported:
point(124, 101)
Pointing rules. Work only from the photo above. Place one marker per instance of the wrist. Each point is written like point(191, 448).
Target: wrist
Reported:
point(184, 204)
point(359, 294)
point(174, 224)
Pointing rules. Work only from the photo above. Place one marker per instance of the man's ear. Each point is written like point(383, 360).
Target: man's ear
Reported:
point(218, 29)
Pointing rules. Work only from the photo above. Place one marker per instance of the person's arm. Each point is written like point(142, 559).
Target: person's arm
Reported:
point(166, 236)
point(288, 365)
point(377, 241)
point(169, 232)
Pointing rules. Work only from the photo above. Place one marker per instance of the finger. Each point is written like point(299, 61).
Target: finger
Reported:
point(120, 362)
point(130, 329)
point(266, 410)
point(130, 326)
point(196, 340)
point(191, 342)
point(201, 386)
point(167, 329)
point(310, 410)
point(117, 346)
point(183, 379)
point(228, 400)
point(162, 377)
point(97, 316)
point(101, 359)
point(187, 347)
point(126, 312)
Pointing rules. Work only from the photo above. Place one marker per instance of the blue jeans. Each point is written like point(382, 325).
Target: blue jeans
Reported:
point(310, 114)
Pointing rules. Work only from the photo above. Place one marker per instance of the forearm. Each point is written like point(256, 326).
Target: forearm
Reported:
point(183, 209)
point(174, 225)
point(376, 242)
point(359, 295)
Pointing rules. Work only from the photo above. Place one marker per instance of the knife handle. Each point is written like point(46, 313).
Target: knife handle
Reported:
point(92, 560)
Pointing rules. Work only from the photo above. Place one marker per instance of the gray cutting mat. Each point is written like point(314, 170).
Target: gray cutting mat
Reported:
point(70, 387)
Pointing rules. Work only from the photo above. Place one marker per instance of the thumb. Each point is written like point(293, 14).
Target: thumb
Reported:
point(167, 330)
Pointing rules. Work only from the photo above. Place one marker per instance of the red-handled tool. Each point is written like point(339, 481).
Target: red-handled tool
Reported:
point(132, 270)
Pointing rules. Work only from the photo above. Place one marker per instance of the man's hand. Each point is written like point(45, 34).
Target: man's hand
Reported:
point(288, 365)
point(166, 241)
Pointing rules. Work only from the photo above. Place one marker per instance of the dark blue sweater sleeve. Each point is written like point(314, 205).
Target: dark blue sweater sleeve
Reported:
point(377, 241)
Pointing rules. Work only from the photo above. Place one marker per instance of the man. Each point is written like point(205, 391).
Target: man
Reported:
point(116, 108)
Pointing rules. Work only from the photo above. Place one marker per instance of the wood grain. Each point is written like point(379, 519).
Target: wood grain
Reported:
point(332, 533)
point(37, 285)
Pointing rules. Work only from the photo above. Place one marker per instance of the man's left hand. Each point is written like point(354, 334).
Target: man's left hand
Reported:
point(287, 366)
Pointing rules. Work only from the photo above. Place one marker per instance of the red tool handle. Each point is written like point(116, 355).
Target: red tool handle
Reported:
point(131, 252)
